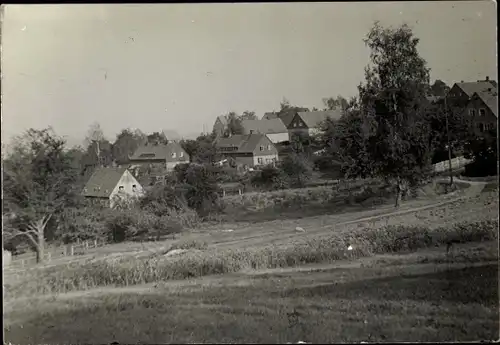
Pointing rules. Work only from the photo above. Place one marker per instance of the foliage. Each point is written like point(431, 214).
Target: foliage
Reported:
point(233, 124)
point(298, 168)
point(271, 178)
point(201, 150)
point(439, 88)
point(332, 103)
point(484, 152)
point(388, 134)
point(38, 183)
point(199, 185)
point(126, 143)
point(157, 138)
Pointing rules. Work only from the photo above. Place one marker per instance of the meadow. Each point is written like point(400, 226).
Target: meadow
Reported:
point(426, 272)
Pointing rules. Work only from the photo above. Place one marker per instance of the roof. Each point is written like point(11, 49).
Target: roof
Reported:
point(269, 116)
point(271, 126)
point(159, 152)
point(490, 99)
point(245, 143)
point(102, 182)
point(313, 119)
point(477, 86)
point(287, 115)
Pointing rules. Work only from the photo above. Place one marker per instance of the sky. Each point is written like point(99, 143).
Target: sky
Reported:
point(179, 66)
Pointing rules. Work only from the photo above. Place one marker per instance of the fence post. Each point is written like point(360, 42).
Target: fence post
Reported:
point(86, 244)
point(22, 262)
point(95, 243)
point(71, 250)
point(49, 256)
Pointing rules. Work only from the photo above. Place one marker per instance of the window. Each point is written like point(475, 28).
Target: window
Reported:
point(482, 112)
point(134, 186)
point(259, 160)
point(481, 127)
point(174, 155)
point(262, 148)
point(268, 147)
point(472, 112)
point(295, 124)
point(181, 154)
point(120, 188)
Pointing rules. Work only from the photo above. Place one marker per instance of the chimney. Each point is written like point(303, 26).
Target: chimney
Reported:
point(487, 78)
point(461, 81)
point(251, 131)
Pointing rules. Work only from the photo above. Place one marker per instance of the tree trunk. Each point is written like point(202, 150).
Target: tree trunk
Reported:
point(399, 190)
point(40, 248)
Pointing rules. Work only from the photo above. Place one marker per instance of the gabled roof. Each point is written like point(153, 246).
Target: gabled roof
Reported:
point(244, 143)
point(102, 182)
point(490, 99)
point(159, 152)
point(271, 126)
point(270, 116)
point(287, 115)
point(313, 119)
point(469, 88)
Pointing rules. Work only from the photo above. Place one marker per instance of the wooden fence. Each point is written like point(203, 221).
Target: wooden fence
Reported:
point(51, 253)
point(456, 163)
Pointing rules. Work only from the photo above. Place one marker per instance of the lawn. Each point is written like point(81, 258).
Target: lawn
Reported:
point(424, 296)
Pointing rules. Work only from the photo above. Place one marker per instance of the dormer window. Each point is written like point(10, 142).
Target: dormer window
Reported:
point(121, 188)
point(472, 112)
point(268, 147)
point(482, 112)
point(174, 154)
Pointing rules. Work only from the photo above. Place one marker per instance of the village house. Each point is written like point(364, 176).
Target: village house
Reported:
point(248, 150)
point(273, 128)
point(482, 109)
point(159, 155)
point(461, 93)
point(220, 126)
point(108, 185)
point(308, 123)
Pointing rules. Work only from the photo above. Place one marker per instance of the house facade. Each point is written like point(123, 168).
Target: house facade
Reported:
point(160, 156)
point(273, 128)
point(108, 185)
point(306, 124)
point(482, 109)
point(220, 126)
point(248, 150)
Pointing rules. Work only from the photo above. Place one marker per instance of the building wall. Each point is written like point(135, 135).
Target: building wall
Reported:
point(264, 159)
point(171, 165)
point(246, 160)
point(128, 182)
point(480, 123)
point(278, 137)
point(456, 96)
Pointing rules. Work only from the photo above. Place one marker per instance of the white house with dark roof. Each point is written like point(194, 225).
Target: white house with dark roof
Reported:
point(273, 128)
point(167, 156)
point(107, 185)
point(248, 150)
point(308, 123)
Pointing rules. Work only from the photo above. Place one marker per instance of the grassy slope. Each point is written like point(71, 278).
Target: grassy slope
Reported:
point(424, 296)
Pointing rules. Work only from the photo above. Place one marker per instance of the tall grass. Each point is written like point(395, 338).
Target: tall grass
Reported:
point(132, 271)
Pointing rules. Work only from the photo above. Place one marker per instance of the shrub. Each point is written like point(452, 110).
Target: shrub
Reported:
point(190, 244)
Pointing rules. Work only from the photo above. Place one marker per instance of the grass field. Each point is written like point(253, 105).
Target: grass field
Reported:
point(423, 294)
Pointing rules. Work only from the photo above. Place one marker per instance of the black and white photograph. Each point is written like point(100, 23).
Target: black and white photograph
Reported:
point(250, 173)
